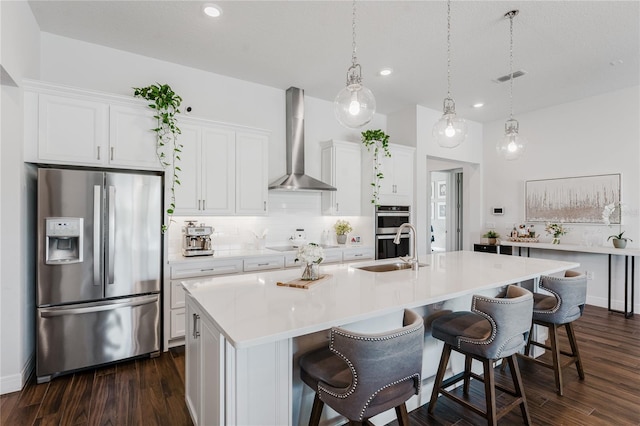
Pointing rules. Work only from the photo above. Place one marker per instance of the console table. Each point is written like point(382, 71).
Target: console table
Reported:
point(629, 254)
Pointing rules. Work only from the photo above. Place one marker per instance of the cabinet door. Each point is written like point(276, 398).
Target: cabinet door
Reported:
point(347, 180)
point(192, 362)
point(342, 168)
point(132, 142)
point(212, 377)
point(403, 173)
point(217, 171)
point(72, 130)
point(387, 168)
point(188, 192)
point(251, 173)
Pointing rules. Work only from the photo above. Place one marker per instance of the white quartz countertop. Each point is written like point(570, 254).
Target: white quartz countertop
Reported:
point(252, 309)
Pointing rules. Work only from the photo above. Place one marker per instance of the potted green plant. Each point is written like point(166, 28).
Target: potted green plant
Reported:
point(342, 228)
point(618, 240)
point(166, 105)
point(379, 142)
point(492, 236)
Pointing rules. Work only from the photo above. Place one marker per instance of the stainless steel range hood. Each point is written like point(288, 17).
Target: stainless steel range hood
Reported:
point(296, 179)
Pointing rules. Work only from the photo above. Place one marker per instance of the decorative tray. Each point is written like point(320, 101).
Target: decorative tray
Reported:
point(524, 240)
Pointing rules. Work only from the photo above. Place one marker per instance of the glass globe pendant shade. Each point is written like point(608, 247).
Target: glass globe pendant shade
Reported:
point(354, 106)
point(512, 144)
point(450, 131)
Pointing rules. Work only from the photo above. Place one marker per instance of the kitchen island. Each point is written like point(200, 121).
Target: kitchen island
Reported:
point(245, 333)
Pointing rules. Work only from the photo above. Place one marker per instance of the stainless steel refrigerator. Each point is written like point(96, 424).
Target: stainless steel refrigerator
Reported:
point(99, 268)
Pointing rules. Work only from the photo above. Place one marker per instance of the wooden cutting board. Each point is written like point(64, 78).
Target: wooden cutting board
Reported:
point(306, 284)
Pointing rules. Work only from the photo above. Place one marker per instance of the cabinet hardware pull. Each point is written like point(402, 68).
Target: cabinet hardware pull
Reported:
point(98, 152)
point(112, 150)
point(203, 204)
point(208, 269)
point(265, 206)
point(199, 204)
point(263, 264)
point(337, 207)
point(357, 255)
point(195, 333)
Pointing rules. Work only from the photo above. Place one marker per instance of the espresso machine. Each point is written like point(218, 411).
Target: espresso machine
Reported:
point(196, 239)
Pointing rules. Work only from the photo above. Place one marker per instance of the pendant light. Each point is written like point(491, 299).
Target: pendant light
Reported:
point(451, 130)
point(512, 144)
point(355, 105)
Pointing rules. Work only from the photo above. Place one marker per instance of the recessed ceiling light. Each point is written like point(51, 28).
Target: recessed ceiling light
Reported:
point(212, 10)
point(386, 71)
point(478, 105)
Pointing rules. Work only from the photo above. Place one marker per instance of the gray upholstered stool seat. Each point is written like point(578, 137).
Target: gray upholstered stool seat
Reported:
point(362, 375)
point(496, 328)
point(564, 305)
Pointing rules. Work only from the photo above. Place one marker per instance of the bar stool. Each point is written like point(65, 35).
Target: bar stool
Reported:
point(362, 375)
point(562, 307)
point(496, 328)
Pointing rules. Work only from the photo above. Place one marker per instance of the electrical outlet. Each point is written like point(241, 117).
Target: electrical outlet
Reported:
point(590, 275)
point(490, 225)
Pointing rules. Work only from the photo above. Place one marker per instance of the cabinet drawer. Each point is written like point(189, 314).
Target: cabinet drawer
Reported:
point(263, 263)
point(177, 323)
point(332, 256)
point(486, 248)
point(351, 255)
point(220, 267)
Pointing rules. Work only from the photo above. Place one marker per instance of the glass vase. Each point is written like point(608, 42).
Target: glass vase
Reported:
point(556, 240)
point(311, 272)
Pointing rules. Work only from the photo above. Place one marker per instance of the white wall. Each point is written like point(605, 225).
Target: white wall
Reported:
point(211, 96)
point(597, 135)
point(19, 60)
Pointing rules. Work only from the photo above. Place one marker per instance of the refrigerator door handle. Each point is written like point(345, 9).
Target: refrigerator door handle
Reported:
point(97, 306)
point(111, 234)
point(97, 242)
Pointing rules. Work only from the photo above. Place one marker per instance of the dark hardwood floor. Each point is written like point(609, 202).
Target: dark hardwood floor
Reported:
point(151, 391)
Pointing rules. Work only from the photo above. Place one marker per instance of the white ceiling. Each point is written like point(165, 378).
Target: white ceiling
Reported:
point(567, 48)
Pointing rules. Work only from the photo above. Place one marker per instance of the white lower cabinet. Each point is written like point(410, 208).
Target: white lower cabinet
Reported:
point(204, 369)
point(230, 386)
point(357, 253)
point(175, 305)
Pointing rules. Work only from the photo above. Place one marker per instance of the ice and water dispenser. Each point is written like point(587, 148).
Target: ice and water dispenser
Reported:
point(64, 239)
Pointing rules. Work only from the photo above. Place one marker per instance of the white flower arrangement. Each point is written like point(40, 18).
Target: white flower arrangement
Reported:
point(556, 229)
point(310, 253)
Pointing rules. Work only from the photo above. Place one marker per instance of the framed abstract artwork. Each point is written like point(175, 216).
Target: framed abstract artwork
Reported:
point(579, 199)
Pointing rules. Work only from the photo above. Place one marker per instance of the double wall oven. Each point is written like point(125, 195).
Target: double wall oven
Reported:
point(387, 222)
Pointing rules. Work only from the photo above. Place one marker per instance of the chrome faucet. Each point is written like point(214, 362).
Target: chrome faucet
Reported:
point(412, 260)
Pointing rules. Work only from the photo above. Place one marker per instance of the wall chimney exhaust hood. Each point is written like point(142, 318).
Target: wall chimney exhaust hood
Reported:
point(296, 179)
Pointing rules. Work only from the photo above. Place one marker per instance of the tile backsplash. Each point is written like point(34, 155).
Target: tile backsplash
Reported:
point(288, 211)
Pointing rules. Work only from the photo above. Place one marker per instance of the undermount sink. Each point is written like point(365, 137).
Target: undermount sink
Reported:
point(388, 267)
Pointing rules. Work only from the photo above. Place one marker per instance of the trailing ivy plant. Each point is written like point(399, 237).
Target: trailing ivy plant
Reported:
point(378, 141)
point(166, 104)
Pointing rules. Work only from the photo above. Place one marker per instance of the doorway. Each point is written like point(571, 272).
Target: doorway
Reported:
point(445, 197)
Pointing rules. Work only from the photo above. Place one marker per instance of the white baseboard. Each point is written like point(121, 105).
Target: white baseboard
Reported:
point(15, 382)
point(617, 305)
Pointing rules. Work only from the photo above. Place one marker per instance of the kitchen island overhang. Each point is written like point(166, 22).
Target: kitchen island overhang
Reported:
point(245, 333)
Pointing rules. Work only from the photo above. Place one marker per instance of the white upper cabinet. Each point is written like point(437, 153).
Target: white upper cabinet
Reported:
point(251, 173)
point(132, 142)
point(396, 188)
point(72, 130)
point(223, 171)
point(341, 168)
point(78, 127)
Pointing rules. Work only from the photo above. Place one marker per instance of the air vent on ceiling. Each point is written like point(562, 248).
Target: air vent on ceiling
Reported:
point(507, 77)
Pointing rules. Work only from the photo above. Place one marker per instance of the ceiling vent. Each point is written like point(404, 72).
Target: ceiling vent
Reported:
point(507, 77)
